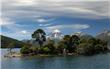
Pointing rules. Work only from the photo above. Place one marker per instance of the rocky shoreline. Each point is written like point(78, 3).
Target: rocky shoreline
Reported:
point(13, 54)
point(18, 55)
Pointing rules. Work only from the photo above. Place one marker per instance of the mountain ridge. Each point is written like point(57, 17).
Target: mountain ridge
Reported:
point(5, 41)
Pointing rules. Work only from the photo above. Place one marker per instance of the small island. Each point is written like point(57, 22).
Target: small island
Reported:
point(75, 45)
point(55, 34)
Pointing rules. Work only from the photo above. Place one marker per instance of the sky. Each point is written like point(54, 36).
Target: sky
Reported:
point(20, 18)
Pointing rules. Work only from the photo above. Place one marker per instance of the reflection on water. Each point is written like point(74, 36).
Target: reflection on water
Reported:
point(5, 51)
point(101, 61)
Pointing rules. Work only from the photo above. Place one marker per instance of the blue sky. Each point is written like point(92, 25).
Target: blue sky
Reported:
point(20, 18)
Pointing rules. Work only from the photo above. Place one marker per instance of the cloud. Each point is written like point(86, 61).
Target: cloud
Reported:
point(42, 20)
point(5, 21)
point(25, 2)
point(73, 26)
point(38, 11)
point(12, 27)
point(17, 35)
point(54, 8)
point(24, 32)
point(43, 25)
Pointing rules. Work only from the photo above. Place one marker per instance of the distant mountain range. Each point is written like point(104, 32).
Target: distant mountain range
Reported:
point(5, 41)
point(31, 41)
point(104, 36)
point(55, 35)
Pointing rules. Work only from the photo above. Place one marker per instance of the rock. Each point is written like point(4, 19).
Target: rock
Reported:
point(13, 54)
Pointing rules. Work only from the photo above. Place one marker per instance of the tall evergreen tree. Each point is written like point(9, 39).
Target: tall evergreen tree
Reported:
point(39, 35)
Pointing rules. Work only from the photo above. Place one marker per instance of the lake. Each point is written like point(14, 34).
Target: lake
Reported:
point(100, 61)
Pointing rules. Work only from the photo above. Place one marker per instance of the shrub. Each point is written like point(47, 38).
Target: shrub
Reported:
point(34, 49)
point(46, 50)
point(85, 49)
point(92, 46)
point(25, 50)
point(60, 47)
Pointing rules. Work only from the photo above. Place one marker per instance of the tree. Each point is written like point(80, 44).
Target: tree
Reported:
point(86, 49)
point(11, 46)
point(39, 35)
point(74, 40)
point(91, 46)
point(101, 45)
point(71, 42)
point(61, 47)
point(50, 44)
point(66, 41)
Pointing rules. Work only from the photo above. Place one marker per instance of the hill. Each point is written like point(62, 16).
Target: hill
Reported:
point(5, 41)
point(105, 36)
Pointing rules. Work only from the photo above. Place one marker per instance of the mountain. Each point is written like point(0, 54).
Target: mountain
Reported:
point(31, 41)
point(56, 34)
point(105, 35)
point(5, 42)
point(87, 36)
point(79, 34)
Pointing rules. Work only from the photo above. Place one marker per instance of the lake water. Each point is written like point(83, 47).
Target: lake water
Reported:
point(101, 61)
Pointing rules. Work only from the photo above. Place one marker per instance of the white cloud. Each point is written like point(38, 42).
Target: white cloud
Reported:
point(74, 26)
point(42, 25)
point(42, 20)
point(56, 30)
point(37, 9)
point(5, 21)
point(25, 2)
point(12, 27)
point(24, 32)
point(68, 8)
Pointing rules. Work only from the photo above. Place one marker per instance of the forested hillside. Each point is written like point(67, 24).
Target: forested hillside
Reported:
point(6, 41)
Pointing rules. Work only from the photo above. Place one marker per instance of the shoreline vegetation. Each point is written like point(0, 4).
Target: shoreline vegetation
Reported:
point(69, 45)
point(19, 55)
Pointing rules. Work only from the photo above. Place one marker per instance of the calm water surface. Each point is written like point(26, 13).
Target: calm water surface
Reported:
point(101, 61)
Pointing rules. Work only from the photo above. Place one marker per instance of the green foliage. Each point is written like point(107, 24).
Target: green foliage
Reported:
point(91, 46)
point(86, 39)
point(60, 47)
point(46, 50)
point(98, 48)
point(51, 46)
point(29, 49)
point(85, 49)
point(25, 50)
point(85, 45)
point(104, 36)
point(34, 49)
point(11, 46)
point(5, 42)
point(71, 42)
